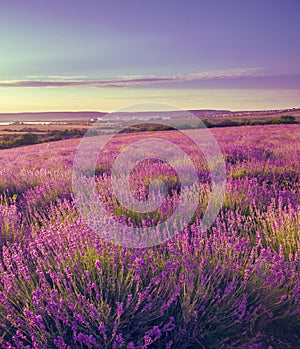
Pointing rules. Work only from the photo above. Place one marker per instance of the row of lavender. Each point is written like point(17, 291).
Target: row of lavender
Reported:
point(233, 286)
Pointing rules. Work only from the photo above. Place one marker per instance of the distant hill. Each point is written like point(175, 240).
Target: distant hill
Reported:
point(50, 116)
point(87, 115)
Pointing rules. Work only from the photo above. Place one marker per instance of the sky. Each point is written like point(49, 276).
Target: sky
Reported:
point(105, 55)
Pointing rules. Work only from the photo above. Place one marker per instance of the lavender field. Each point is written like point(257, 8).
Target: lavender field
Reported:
point(235, 285)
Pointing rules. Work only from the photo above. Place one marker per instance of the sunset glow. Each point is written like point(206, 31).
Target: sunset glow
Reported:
point(104, 55)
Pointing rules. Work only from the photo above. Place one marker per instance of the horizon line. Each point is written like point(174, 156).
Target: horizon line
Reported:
point(149, 111)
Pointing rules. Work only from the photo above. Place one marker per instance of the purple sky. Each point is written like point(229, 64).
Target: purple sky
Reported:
point(101, 55)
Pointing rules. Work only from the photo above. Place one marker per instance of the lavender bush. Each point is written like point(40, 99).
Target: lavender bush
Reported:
point(235, 285)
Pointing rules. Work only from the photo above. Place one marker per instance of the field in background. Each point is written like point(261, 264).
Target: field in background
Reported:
point(236, 285)
point(59, 126)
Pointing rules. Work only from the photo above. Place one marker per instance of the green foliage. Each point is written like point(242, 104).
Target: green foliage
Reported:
point(28, 138)
point(284, 119)
point(146, 127)
point(287, 119)
point(24, 139)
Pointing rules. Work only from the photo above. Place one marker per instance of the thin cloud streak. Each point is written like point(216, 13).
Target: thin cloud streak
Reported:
point(62, 77)
point(133, 81)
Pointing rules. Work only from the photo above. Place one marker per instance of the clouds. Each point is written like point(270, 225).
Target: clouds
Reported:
point(244, 78)
point(131, 81)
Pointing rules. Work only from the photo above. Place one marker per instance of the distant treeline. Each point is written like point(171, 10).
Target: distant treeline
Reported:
point(148, 127)
point(18, 141)
point(67, 133)
point(284, 119)
point(13, 141)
